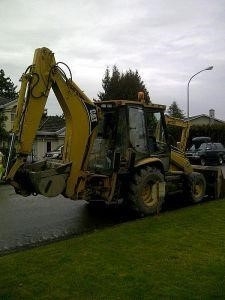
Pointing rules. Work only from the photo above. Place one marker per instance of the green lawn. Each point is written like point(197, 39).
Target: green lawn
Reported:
point(177, 255)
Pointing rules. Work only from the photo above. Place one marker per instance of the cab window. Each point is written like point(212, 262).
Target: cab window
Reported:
point(137, 129)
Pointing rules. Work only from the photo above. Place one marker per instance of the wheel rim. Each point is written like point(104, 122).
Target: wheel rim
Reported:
point(150, 195)
point(198, 189)
point(203, 162)
point(220, 160)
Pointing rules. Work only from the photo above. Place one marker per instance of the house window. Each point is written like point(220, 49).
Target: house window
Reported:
point(49, 146)
point(13, 113)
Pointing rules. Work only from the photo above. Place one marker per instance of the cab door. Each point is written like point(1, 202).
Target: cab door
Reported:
point(147, 135)
point(156, 136)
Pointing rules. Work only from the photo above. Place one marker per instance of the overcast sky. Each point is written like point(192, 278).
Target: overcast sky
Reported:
point(167, 41)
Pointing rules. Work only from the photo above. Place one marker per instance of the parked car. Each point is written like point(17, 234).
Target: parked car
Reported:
point(57, 153)
point(204, 152)
point(31, 158)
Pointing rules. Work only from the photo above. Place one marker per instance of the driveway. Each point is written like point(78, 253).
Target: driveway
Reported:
point(27, 221)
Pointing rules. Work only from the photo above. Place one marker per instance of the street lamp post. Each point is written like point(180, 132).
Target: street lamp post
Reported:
point(207, 69)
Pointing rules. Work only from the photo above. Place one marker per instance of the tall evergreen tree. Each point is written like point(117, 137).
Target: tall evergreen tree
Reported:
point(122, 85)
point(175, 111)
point(105, 83)
point(7, 90)
point(7, 87)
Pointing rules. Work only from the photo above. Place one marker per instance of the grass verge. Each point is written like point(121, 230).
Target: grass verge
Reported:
point(178, 254)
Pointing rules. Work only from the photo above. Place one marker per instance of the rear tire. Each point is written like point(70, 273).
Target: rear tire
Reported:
point(143, 191)
point(196, 186)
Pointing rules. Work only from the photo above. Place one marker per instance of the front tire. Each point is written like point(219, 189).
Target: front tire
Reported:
point(196, 186)
point(147, 191)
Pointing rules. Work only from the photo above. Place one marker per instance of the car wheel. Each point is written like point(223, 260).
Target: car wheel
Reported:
point(203, 161)
point(220, 160)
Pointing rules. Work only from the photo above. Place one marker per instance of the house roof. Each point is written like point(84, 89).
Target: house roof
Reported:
point(204, 116)
point(52, 124)
point(58, 133)
point(5, 101)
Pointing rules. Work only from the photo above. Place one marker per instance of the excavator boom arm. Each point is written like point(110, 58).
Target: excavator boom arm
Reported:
point(81, 119)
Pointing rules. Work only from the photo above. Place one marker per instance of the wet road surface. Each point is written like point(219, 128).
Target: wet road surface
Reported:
point(32, 220)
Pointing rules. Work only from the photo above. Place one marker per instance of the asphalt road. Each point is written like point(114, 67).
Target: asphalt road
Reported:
point(29, 221)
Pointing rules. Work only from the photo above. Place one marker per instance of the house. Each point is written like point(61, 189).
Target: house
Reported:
point(8, 106)
point(204, 119)
point(50, 135)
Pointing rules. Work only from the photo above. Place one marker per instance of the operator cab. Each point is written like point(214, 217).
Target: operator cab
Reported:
point(129, 128)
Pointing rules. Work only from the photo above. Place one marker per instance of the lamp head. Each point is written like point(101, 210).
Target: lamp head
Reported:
point(209, 68)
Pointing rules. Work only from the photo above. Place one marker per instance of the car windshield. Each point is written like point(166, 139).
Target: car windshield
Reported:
point(202, 146)
point(192, 148)
point(57, 149)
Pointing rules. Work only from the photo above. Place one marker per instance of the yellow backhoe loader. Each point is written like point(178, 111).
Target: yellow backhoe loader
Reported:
point(113, 151)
